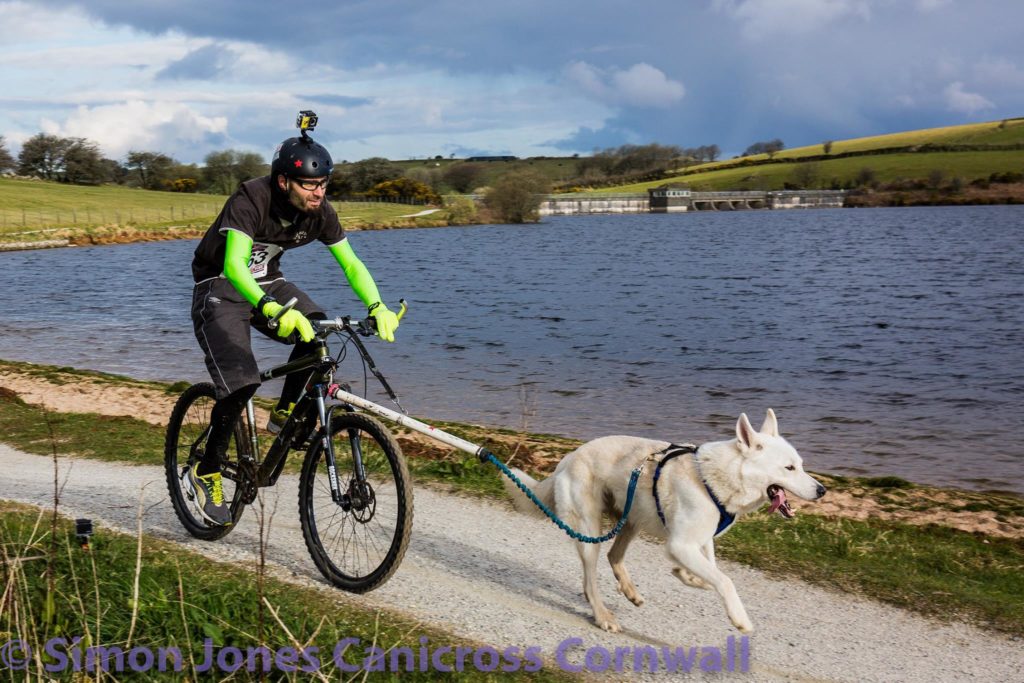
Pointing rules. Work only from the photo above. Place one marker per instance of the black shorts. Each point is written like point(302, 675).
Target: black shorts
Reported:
point(222, 319)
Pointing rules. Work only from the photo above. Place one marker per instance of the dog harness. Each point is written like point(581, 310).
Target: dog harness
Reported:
point(725, 518)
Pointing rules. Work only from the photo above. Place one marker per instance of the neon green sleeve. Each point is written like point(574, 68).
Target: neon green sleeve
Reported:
point(236, 266)
point(358, 276)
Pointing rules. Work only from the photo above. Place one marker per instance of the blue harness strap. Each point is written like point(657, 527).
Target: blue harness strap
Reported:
point(725, 518)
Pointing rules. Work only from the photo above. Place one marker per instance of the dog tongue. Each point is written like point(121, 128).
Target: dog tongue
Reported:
point(779, 502)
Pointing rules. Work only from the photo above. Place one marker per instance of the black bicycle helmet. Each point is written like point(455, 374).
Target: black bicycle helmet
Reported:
point(301, 157)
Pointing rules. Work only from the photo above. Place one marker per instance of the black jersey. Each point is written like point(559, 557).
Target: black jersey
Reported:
point(273, 224)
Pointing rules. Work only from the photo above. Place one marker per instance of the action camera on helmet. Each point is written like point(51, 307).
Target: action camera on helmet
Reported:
point(302, 157)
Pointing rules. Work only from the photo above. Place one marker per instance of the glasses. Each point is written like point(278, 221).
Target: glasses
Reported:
point(311, 185)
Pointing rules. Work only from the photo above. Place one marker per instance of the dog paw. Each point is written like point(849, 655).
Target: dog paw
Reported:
point(632, 594)
point(608, 623)
point(744, 626)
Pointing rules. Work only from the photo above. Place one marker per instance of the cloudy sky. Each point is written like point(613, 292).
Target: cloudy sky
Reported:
point(415, 78)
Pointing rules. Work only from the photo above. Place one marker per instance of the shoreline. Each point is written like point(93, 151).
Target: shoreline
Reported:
point(129, 234)
point(88, 237)
point(889, 498)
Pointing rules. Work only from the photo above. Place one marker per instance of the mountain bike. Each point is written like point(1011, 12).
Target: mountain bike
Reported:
point(355, 494)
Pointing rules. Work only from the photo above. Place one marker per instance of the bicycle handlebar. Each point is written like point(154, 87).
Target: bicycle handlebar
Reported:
point(272, 323)
point(367, 326)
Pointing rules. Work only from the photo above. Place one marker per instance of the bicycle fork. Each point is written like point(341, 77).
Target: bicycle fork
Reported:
point(354, 496)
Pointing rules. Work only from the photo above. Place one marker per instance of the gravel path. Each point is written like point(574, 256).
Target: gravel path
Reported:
point(479, 570)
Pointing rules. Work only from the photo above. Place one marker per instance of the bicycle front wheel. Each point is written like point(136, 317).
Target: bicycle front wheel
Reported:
point(187, 433)
point(357, 542)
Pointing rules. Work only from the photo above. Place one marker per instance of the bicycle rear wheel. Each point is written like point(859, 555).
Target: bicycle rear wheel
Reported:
point(186, 438)
point(357, 543)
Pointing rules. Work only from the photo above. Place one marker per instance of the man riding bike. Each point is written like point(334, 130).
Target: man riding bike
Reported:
point(239, 283)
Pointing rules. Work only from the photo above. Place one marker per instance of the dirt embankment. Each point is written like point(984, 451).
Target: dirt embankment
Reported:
point(68, 391)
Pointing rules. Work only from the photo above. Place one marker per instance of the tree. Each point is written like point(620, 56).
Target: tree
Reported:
point(363, 175)
point(935, 178)
point(183, 178)
point(630, 159)
point(464, 177)
point(807, 175)
point(42, 156)
point(224, 170)
point(7, 161)
point(152, 169)
point(516, 196)
point(83, 163)
point(866, 177)
point(68, 160)
point(219, 172)
point(406, 188)
point(426, 175)
point(702, 153)
point(771, 148)
point(827, 146)
point(249, 165)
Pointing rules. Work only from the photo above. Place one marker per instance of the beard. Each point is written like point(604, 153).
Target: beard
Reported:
point(304, 202)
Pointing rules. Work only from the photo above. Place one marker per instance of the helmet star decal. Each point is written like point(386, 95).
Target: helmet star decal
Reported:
point(298, 163)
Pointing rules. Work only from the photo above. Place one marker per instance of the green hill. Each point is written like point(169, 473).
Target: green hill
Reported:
point(554, 169)
point(971, 152)
point(38, 210)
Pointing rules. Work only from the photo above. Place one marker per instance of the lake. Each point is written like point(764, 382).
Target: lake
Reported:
point(888, 341)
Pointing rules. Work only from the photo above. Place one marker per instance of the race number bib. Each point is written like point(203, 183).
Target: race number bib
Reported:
point(262, 255)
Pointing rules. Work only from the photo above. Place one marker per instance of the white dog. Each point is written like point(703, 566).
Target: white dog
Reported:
point(742, 474)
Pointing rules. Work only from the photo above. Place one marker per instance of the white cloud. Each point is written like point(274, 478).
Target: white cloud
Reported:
point(768, 18)
point(137, 124)
point(958, 99)
point(29, 24)
point(641, 85)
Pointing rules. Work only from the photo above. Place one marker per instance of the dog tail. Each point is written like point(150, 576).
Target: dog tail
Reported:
point(544, 490)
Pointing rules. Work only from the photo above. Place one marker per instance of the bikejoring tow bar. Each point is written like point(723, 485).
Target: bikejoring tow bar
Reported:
point(335, 391)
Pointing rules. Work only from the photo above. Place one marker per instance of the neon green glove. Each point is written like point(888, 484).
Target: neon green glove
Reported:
point(387, 322)
point(289, 322)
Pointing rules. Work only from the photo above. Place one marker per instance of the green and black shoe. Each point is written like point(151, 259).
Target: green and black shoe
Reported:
point(209, 493)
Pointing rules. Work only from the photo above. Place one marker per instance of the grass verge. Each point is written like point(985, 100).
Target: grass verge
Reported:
point(187, 607)
point(38, 211)
point(930, 569)
point(933, 570)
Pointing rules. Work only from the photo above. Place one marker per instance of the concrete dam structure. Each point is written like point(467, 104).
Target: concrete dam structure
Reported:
point(677, 200)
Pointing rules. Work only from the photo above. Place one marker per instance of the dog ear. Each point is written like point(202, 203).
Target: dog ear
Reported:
point(770, 425)
point(745, 433)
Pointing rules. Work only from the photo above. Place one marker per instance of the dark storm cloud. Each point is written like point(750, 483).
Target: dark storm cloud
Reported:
point(730, 72)
point(206, 63)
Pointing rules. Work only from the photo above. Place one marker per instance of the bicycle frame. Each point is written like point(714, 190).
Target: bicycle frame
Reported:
point(318, 390)
point(323, 365)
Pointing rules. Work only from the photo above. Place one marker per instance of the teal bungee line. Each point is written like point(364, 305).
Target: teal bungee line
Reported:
point(633, 479)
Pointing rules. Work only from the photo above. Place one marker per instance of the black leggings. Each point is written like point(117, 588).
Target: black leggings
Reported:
point(226, 410)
